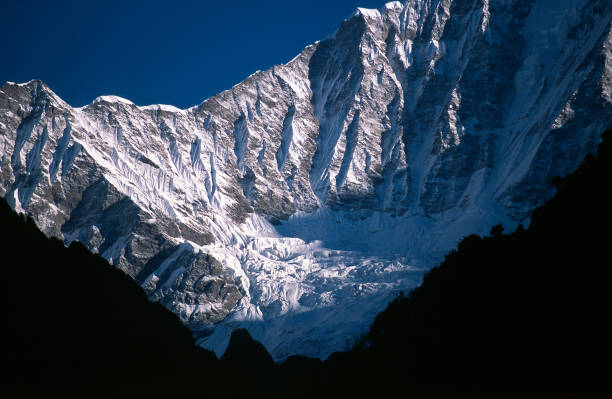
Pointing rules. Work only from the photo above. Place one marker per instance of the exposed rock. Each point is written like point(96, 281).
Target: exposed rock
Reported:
point(301, 200)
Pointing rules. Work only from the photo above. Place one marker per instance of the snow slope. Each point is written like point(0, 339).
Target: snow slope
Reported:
point(301, 201)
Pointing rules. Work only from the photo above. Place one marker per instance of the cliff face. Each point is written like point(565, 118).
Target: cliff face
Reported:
point(300, 201)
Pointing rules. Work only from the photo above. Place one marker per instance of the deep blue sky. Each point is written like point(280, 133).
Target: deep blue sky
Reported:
point(170, 52)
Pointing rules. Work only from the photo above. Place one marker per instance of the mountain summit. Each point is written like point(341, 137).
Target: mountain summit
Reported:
point(298, 203)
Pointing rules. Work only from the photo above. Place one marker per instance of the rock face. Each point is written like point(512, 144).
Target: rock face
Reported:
point(298, 203)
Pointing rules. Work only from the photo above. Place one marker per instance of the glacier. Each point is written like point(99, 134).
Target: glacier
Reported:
point(301, 201)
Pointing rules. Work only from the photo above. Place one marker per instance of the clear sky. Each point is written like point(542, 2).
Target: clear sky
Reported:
point(171, 52)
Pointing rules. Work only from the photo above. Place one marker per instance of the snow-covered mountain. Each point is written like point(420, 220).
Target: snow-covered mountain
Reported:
point(302, 200)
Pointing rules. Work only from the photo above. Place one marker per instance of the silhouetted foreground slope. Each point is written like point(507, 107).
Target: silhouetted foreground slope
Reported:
point(75, 326)
point(522, 314)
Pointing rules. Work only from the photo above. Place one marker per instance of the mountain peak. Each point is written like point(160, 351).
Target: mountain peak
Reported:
point(32, 92)
point(367, 12)
point(300, 201)
point(111, 99)
point(377, 13)
point(30, 83)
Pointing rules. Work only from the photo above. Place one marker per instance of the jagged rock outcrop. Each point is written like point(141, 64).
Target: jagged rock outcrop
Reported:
point(297, 203)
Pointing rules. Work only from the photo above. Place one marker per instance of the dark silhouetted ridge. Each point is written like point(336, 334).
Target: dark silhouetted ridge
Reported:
point(521, 314)
point(75, 326)
point(243, 348)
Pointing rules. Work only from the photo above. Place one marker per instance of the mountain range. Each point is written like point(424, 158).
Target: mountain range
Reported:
point(300, 202)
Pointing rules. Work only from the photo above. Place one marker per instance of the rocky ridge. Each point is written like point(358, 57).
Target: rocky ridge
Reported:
point(299, 202)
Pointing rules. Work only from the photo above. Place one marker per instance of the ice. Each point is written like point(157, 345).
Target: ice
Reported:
point(333, 182)
point(161, 107)
point(112, 99)
point(370, 13)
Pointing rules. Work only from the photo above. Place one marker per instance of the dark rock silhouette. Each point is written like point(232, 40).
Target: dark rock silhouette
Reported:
point(75, 326)
point(243, 348)
point(517, 314)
